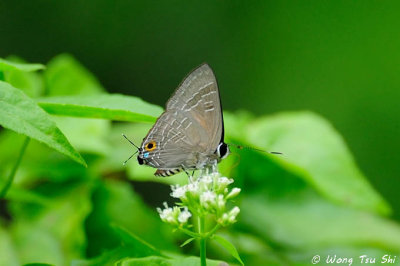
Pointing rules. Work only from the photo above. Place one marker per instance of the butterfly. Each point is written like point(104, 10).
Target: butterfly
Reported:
point(189, 134)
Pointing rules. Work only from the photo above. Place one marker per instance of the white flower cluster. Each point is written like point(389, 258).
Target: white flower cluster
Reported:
point(176, 215)
point(206, 195)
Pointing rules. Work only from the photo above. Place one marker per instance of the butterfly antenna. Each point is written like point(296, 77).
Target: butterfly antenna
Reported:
point(130, 157)
point(241, 147)
point(130, 142)
point(138, 149)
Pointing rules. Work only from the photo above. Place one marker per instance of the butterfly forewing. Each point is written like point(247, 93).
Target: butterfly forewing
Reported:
point(198, 98)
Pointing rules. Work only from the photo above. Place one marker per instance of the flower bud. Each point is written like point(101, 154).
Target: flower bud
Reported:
point(234, 192)
point(233, 213)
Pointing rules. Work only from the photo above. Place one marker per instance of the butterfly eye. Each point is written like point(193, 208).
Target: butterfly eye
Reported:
point(150, 146)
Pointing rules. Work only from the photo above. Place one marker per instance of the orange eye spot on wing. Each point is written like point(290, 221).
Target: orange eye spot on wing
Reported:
point(150, 146)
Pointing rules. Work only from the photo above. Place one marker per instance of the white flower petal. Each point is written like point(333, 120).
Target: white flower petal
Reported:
point(207, 196)
point(184, 215)
point(178, 191)
point(225, 181)
point(207, 179)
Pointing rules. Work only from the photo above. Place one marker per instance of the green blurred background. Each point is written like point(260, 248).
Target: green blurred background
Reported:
point(340, 59)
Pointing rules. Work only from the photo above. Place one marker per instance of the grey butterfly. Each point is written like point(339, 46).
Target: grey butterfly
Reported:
point(190, 133)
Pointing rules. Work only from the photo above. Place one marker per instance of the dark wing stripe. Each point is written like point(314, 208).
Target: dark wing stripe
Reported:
point(167, 172)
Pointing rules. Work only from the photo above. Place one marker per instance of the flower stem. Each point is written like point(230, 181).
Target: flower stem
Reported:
point(10, 178)
point(203, 240)
point(190, 233)
point(210, 234)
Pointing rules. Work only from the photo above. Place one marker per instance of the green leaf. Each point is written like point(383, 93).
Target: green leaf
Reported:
point(121, 148)
point(20, 113)
point(187, 241)
point(138, 245)
point(253, 249)
point(66, 219)
point(285, 209)
point(107, 258)
point(31, 83)
point(25, 195)
point(66, 76)
point(156, 261)
point(313, 150)
point(236, 124)
point(51, 233)
point(120, 257)
point(38, 264)
point(9, 65)
point(86, 135)
point(111, 199)
point(8, 250)
point(43, 164)
point(305, 221)
point(229, 247)
point(115, 107)
point(35, 243)
point(131, 247)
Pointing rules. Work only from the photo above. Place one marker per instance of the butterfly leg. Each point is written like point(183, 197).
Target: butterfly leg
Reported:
point(189, 176)
point(214, 167)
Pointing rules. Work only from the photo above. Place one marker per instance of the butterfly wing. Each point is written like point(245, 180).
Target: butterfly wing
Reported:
point(173, 146)
point(198, 97)
point(191, 124)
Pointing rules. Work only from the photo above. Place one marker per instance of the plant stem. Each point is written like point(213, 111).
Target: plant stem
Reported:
point(210, 234)
point(190, 233)
point(14, 170)
point(203, 240)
